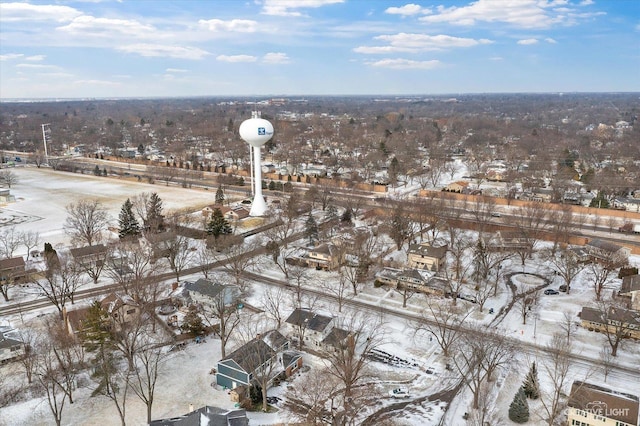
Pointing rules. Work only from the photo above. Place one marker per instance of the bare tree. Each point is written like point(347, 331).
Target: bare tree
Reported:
point(114, 380)
point(31, 343)
point(31, 240)
point(68, 353)
point(128, 336)
point(86, 221)
point(606, 361)
point(617, 322)
point(443, 322)
point(557, 369)
point(349, 361)
point(9, 178)
point(337, 288)
point(60, 283)
point(526, 300)
point(224, 311)
point(478, 355)
point(131, 266)
point(399, 225)
point(568, 325)
point(10, 240)
point(49, 377)
point(566, 264)
point(175, 247)
point(601, 272)
point(308, 402)
point(145, 376)
point(273, 299)
point(239, 258)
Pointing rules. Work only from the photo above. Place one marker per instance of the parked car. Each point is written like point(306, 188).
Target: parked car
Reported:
point(468, 297)
point(563, 288)
point(399, 393)
point(551, 291)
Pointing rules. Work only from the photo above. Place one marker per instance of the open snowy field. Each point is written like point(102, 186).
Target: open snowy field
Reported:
point(42, 195)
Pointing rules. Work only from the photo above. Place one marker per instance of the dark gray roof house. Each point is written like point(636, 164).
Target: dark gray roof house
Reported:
point(208, 293)
point(309, 320)
point(207, 416)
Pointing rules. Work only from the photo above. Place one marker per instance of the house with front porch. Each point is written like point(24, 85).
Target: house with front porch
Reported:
point(269, 352)
point(427, 256)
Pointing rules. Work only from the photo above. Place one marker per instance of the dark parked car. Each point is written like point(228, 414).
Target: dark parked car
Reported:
point(551, 291)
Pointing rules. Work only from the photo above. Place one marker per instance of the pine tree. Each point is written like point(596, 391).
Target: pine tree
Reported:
point(95, 328)
point(531, 386)
point(220, 196)
point(347, 215)
point(129, 225)
point(311, 229)
point(519, 408)
point(218, 225)
point(154, 213)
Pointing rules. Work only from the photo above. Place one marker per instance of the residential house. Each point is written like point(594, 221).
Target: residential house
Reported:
point(207, 416)
point(208, 294)
point(594, 405)
point(458, 186)
point(232, 214)
point(325, 256)
point(121, 308)
point(506, 241)
point(413, 279)
point(10, 349)
point(6, 197)
point(255, 357)
point(89, 256)
point(334, 339)
point(12, 269)
point(627, 321)
point(313, 327)
point(628, 204)
point(604, 251)
point(426, 256)
point(631, 288)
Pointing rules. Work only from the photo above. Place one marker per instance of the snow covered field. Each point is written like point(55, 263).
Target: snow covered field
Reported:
point(41, 199)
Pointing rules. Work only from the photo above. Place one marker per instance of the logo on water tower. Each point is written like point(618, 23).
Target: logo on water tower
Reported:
point(262, 131)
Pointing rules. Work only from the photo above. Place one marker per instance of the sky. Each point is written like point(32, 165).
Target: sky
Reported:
point(162, 48)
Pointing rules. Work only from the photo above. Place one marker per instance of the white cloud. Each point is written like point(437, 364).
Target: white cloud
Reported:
point(404, 42)
point(550, 40)
point(528, 41)
point(275, 58)
point(176, 70)
point(38, 66)
point(159, 50)
point(35, 58)
point(586, 2)
point(106, 27)
point(236, 58)
point(521, 13)
point(288, 7)
point(407, 10)
point(97, 83)
point(17, 12)
point(399, 64)
point(9, 56)
point(235, 25)
point(56, 75)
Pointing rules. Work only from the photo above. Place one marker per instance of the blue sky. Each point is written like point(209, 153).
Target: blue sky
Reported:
point(147, 48)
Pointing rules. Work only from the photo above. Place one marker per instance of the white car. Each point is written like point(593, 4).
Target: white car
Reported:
point(399, 393)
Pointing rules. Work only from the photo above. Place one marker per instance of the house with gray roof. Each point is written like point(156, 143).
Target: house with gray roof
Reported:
point(208, 294)
point(631, 288)
point(207, 416)
point(239, 367)
point(10, 349)
point(309, 327)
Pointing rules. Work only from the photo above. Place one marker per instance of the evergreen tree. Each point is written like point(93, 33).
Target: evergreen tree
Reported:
point(218, 225)
point(519, 408)
point(347, 215)
point(129, 225)
point(331, 212)
point(311, 229)
point(220, 196)
point(154, 213)
point(531, 386)
point(192, 323)
point(95, 331)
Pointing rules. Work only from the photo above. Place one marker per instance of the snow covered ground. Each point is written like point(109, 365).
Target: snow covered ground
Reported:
point(41, 197)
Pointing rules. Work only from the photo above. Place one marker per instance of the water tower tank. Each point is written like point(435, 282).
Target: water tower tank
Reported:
point(256, 131)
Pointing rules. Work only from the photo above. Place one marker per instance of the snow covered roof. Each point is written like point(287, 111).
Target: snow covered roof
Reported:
point(207, 416)
point(604, 402)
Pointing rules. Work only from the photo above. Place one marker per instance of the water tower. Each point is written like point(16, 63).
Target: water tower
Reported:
point(256, 132)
